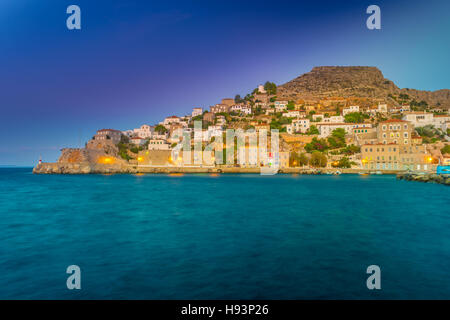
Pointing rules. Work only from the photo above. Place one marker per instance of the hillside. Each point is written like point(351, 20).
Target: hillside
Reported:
point(356, 82)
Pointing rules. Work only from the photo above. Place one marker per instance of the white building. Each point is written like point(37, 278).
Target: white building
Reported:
point(333, 119)
point(261, 89)
point(292, 114)
point(160, 136)
point(128, 133)
point(270, 111)
point(325, 129)
point(421, 119)
point(197, 112)
point(158, 144)
point(382, 108)
point(280, 105)
point(137, 141)
point(108, 134)
point(350, 110)
point(240, 108)
point(298, 125)
point(169, 120)
point(144, 131)
point(214, 131)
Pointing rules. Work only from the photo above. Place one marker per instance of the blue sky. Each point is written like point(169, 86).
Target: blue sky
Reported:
point(135, 62)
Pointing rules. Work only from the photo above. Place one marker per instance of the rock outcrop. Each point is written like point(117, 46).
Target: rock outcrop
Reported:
point(351, 82)
point(430, 177)
point(86, 160)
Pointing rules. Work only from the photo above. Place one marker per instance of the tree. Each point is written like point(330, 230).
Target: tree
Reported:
point(351, 149)
point(303, 159)
point(337, 138)
point(354, 117)
point(123, 151)
point(316, 145)
point(426, 131)
point(312, 130)
point(290, 105)
point(318, 159)
point(160, 129)
point(446, 149)
point(238, 99)
point(344, 163)
point(270, 87)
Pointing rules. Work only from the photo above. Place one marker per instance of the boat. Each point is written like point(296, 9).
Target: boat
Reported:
point(363, 173)
point(378, 172)
point(337, 172)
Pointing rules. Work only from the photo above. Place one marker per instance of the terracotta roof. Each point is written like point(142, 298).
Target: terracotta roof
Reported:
point(393, 120)
point(113, 130)
point(340, 124)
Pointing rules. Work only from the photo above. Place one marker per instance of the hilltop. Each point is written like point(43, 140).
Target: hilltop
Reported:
point(357, 82)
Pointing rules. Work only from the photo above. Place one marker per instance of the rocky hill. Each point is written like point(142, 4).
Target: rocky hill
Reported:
point(351, 82)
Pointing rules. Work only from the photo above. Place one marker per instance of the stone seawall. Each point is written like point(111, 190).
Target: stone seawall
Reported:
point(90, 168)
point(80, 168)
point(429, 177)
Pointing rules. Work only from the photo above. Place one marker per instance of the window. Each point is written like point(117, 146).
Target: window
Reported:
point(384, 128)
point(406, 141)
point(405, 134)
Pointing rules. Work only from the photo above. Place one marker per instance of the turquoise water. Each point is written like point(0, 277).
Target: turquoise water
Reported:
point(224, 237)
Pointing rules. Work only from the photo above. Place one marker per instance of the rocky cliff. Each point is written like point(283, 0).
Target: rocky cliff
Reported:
point(359, 81)
point(95, 158)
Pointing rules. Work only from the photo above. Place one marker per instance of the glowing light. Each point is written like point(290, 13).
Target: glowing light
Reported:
point(140, 159)
point(105, 160)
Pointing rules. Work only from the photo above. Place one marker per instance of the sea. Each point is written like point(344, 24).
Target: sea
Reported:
point(222, 236)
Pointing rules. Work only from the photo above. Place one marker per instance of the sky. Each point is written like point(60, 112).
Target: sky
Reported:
point(136, 62)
